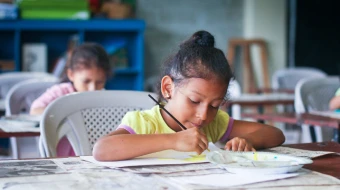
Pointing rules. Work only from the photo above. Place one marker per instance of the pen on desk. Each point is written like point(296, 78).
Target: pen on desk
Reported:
point(162, 107)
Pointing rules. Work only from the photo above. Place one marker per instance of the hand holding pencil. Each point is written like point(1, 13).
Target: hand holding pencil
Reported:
point(191, 139)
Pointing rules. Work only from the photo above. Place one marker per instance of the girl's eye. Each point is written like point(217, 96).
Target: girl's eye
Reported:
point(86, 81)
point(195, 102)
point(214, 107)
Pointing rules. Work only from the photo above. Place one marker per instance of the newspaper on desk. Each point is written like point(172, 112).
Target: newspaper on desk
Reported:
point(74, 173)
point(298, 152)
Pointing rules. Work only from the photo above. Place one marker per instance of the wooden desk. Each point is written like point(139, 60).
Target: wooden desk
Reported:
point(328, 164)
point(263, 99)
point(4, 134)
point(298, 119)
point(43, 174)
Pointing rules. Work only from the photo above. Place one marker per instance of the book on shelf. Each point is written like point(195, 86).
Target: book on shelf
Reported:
point(54, 9)
point(34, 57)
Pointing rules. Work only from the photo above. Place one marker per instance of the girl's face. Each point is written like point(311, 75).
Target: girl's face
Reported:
point(87, 79)
point(194, 103)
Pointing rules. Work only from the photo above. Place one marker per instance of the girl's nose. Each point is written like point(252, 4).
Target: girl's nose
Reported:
point(202, 112)
point(92, 87)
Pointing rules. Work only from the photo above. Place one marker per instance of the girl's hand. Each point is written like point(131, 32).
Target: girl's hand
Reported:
point(239, 144)
point(191, 140)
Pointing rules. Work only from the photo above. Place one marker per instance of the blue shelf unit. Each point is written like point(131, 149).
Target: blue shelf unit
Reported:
point(56, 35)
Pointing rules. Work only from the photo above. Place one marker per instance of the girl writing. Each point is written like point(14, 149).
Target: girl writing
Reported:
point(88, 70)
point(193, 86)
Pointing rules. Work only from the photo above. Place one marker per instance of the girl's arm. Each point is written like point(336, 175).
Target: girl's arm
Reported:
point(247, 136)
point(37, 111)
point(121, 145)
point(334, 103)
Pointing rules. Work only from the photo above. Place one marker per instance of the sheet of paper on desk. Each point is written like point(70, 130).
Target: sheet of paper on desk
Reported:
point(11, 126)
point(167, 157)
point(227, 179)
point(24, 117)
point(298, 152)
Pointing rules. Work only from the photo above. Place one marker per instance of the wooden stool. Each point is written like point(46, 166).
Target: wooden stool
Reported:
point(248, 76)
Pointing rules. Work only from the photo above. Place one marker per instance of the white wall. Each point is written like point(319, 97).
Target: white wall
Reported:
point(266, 19)
point(169, 22)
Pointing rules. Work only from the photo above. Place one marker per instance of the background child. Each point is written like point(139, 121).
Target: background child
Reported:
point(334, 104)
point(88, 70)
point(193, 86)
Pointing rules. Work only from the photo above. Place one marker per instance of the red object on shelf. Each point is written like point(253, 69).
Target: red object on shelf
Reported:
point(94, 5)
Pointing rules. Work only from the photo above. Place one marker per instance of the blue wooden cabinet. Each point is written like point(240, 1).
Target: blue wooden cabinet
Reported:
point(56, 34)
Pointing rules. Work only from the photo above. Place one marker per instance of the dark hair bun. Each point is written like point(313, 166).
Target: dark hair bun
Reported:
point(203, 38)
point(200, 38)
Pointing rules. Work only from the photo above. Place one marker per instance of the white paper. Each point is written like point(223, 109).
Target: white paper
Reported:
point(166, 157)
point(227, 180)
point(298, 152)
point(12, 126)
point(24, 117)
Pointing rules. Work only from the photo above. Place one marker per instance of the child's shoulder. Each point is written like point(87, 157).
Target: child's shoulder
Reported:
point(148, 114)
point(222, 114)
point(62, 88)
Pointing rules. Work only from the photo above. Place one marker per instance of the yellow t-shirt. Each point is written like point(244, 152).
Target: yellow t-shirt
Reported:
point(151, 122)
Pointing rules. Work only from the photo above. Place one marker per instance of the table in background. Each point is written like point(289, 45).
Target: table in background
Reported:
point(298, 119)
point(4, 134)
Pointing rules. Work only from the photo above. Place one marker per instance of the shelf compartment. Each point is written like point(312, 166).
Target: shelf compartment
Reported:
point(56, 42)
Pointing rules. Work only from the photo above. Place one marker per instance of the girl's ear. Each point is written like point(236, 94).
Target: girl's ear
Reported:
point(166, 87)
point(70, 75)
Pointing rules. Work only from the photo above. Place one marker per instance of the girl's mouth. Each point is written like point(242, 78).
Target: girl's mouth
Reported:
point(196, 125)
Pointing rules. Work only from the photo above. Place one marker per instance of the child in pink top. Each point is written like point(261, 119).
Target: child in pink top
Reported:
point(88, 70)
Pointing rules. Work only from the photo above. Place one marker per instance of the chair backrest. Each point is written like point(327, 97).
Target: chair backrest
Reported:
point(21, 95)
point(85, 117)
point(315, 93)
point(234, 91)
point(288, 78)
point(8, 80)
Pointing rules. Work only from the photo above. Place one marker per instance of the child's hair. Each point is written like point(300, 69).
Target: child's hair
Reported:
point(197, 58)
point(89, 55)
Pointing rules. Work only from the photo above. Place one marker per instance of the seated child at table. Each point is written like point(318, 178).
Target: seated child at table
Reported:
point(88, 70)
point(334, 104)
point(193, 86)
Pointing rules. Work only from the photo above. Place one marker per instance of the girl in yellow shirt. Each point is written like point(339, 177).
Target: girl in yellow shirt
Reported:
point(193, 86)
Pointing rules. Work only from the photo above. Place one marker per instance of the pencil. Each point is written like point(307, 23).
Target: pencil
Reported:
point(162, 107)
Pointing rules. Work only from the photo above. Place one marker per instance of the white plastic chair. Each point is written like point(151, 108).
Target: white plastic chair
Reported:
point(234, 91)
point(314, 95)
point(8, 80)
point(85, 117)
point(19, 99)
point(287, 78)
